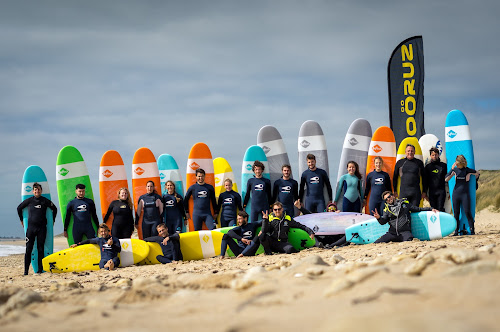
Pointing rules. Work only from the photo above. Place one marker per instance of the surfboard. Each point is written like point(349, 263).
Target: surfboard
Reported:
point(86, 257)
point(252, 154)
point(112, 177)
point(425, 226)
point(199, 157)
point(222, 171)
point(382, 144)
point(311, 140)
point(70, 171)
point(31, 175)
point(459, 141)
point(144, 169)
point(401, 154)
point(355, 148)
point(328, 223)
point(269, 139)
point(169, 170)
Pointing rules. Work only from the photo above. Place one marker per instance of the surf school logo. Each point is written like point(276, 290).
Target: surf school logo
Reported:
point(248, 167)
point(37, 206)
point(228, 200)
point(169, 203)
point(435, 171)
point(266, 149)
point(286, 189)
point(162, 176)
point(82, 208)
point(202, 194)
point(63, 171)
point(217, 179)
point(377, 148)
point(107, 173)
point(259, 187)
point(139, 171)
point(125, 245)
point(28, 189)
point(315, 228)
point(353, 141)
point(433, 219)
point(206, 238)
point(247, 234)
point(314, 180)
point(304, 144)
point(379, 181)
point(452, 134)
point(194, 166)
point(439, 146)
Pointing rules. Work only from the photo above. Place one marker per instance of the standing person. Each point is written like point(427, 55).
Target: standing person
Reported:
point(203, 195)
point(312, 182)
point(173, 210)
point(350, 183)
point(286, 190)
point(410, 170)
point(37, 224)
point(228, 205)
point(84, 213)
point(245, 234)
point(260, 190)
point(377, 181)
point(397, 213)
point(109, 245)
point(152, 206)
point(169, 244)
point(123, 215)
point(461, 193)
point(435, 184)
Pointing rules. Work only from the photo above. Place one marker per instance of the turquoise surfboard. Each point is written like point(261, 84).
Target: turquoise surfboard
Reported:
point(252, 154)
point(169, 170)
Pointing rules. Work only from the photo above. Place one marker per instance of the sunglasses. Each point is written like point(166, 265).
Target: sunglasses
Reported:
point(277, 209)
point(391, 195)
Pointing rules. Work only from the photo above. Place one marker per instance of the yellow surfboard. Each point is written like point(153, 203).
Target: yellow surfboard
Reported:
point(402, 154)
point(222, 171)
point(87, 257)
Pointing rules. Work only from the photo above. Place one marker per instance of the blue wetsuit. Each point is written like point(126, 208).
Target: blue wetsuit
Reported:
point(286, 192)
point(260, 189)
point(353, 192)
point(84, 213)
point(171, 251)
point(248, 232)
point(377, 183)
point(314, 181)
point(228, 205)
point(152, 216)
point(107, 251)
point(173, 212)
point(461, 196)
point(203, 195)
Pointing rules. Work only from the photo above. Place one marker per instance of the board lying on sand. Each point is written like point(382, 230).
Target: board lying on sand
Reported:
point(332, 223)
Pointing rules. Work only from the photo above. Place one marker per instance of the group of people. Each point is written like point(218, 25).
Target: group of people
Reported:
point(163, 217)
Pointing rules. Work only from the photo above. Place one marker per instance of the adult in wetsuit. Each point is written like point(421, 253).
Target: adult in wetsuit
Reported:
point(461, 193)
point(312, 182)
point(435, 184)
point(170, 246)
point(246, 235)
point(410, 170)
point(259, 188)
point(203, 195)
point(123, 216)
point(173, 210)
point(286, 190)
point(84, 213)
point(37, 206)
point(228, 204)
point(152, 206)
point(377, 181)
point(109, 245)
point(350, 183)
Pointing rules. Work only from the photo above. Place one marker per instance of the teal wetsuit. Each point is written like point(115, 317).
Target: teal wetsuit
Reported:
point(353, 192)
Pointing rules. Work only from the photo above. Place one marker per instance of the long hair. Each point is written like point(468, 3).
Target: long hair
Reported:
point(356, 172)
point(129, 199)
point(173, 184)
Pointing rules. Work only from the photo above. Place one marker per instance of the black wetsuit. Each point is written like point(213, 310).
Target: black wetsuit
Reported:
point(247, 232)
point(286, 192)
point(461, 196)
point(203, 196)
point(227, 207)
point(377, 183)
point(260, 191)
point(410, 172)
point(173, 212)
point(312, 184)
point(107, 251)
point(37, 227)
point(435, 185)
point(274, 235)
point(84, 213)
point(151, 216)
point(171, 251)
point(123, 219)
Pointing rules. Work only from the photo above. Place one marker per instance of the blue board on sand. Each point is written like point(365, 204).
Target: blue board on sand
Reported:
point(425, 225)
point(169, 170)
point(252, 154)
point(31, 175)
point(458, 141)
point(332, 223)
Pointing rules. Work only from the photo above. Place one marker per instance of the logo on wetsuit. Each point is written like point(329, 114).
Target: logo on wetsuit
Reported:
point(377, 148)
point(379, 181)
point(107, 173)
point(37, 206)
point(202, 194)
point(169, 203)
point(124, 206)
point(353, 141)
point(247, 234)
point(452, 134)
point(259, 187)
point(81, 208)
point(228, 200)
point(286, 189)
point(435, 171)
point(314, 180)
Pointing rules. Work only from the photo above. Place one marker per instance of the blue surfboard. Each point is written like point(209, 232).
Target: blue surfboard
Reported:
point(169, 170)
point(31, 175)
point(458, 141)
point(252, 154)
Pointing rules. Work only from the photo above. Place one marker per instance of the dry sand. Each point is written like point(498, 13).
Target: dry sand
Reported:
point(452, 284)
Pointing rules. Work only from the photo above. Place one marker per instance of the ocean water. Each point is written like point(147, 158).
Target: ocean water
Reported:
point(8, 249)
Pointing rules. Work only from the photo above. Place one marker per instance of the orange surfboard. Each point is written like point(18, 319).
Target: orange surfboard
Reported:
point(383, 144)
point(144, 169)
point(112, 177)
point(199, 157)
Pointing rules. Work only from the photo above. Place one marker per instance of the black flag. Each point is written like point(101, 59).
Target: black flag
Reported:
point(405, 75)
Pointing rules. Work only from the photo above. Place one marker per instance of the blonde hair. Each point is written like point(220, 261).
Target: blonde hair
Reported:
point(228, 180)
point(129, 199)
point(461, 161)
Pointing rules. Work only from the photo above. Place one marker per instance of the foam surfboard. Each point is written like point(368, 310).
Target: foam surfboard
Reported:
point(425, 226)
point(382, 144)
point(144, 169)
point(112, 177)
point(402, 154)
point(328, 223)
point(70, 171)
point(169, 170)
point(459, 141)
point(86, 257)
point(355, 148)
point(311, 140)
point(222, 171)
point(252, 154)
point(269, 139)
point(31, 175)
point(199, 157)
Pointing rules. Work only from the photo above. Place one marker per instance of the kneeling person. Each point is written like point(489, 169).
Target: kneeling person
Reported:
point(244, 233)
point(170, 246)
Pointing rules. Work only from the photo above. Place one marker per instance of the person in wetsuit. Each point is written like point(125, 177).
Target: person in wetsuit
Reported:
point(312, 182)
point(37, 206)
point(203, 195)
point(246, 235)
point(123, 216)
point(410, 170)
point(84, 213)
point(461, 193)
point(170, 246)
point(435, 184)
point(377, 181)
point(350, 183)
point(259, 189)
point(228, 205)
point(151, 204)
point(286, 190)
point(173, 210)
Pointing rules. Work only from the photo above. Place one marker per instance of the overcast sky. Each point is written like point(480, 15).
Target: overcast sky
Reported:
point(103, 75)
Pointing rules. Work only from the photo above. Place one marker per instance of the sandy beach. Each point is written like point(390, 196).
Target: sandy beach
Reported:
point(450, 284)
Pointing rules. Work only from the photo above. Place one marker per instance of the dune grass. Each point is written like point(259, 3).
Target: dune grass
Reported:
point(488, 193)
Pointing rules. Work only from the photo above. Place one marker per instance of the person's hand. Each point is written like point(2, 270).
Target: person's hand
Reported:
point(435, 211)
point(246, 241)
point(73, 245)
point(22, 223)
point(311, 236)
point(297, 204)
point(165, 240)
point(265, 214)
point(375, 214)
point(424, 196)
point(65, 234)
point(260, 233)
point(187, 216)
point(110, 241)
